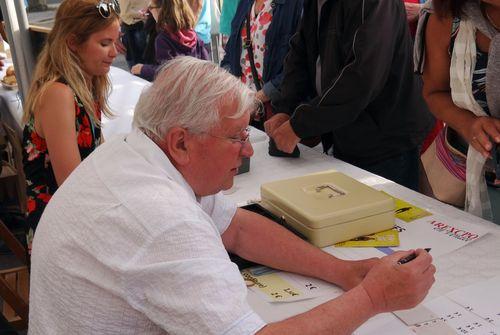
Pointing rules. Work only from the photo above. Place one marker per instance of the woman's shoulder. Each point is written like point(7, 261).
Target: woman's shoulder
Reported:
point(59, 91)
point(55, 97)
point(440, 28)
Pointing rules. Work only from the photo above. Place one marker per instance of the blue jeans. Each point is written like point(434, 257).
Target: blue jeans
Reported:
point(134, 39)
point(401, 169)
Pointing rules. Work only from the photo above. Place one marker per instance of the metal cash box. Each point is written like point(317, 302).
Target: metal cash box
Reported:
point(329, 207)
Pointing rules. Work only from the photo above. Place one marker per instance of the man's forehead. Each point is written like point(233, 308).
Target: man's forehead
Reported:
point(228, 121)
point(229, 125)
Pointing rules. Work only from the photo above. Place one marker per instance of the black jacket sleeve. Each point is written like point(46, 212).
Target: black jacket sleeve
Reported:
point(295, 84)
point(368, 41)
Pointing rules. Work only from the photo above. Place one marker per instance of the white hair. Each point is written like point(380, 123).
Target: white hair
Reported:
point(189, 93)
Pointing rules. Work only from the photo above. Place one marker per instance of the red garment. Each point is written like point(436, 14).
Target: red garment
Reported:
point(413, 25)
point(432, 135)
point(186, 37)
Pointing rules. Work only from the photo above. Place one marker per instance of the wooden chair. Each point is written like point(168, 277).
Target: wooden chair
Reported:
point(14, 282)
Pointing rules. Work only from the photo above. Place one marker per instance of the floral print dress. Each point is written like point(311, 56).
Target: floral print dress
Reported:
point(40, 180)
point(259, 24)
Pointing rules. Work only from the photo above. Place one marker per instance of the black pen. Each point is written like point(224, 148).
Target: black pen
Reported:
point(410, 257)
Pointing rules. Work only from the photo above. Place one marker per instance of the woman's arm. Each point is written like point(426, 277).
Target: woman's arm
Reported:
point(55, 121)
point(477, 131)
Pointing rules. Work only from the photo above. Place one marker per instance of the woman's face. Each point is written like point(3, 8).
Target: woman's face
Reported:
point(98, 51)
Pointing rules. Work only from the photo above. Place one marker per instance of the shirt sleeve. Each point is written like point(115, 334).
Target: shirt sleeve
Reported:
point(368, 44)
point(220, 209)
point(184, 282)
point(148, 71)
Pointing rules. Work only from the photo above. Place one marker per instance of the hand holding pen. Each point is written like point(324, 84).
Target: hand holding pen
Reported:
point(404, 286)
point(410, 257)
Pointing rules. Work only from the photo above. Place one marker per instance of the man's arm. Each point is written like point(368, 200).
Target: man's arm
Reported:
point(261, 240)
point(369, 49)
point(389, 286)
point(375, 286)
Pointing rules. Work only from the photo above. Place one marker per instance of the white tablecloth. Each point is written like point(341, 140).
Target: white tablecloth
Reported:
point(476, 262)
point(126, 91)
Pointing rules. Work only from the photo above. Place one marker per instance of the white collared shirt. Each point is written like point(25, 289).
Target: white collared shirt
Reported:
point(124, 247)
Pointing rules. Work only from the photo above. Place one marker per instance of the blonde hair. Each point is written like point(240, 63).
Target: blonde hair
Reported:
point(76, 19)
point(177, 15)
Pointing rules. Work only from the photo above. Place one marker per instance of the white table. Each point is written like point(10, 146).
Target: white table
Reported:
point(476, 262)
point(126, 89)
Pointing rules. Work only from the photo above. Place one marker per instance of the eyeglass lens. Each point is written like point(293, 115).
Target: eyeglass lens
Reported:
point(104, 8)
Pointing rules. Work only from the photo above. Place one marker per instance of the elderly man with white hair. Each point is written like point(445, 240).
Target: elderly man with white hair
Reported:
point(135, 241)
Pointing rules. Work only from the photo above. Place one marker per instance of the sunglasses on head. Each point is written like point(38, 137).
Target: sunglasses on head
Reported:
point(104, 8)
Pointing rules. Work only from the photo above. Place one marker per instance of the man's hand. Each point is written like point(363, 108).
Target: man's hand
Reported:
point(392, 286)
point(285, 138)
point(275, 122)
point(355, 272)
point(136, 69)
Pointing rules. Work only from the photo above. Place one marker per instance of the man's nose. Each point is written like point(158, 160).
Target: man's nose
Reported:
point(247, 149)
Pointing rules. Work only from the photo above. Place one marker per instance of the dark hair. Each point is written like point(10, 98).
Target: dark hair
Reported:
point(452, 8)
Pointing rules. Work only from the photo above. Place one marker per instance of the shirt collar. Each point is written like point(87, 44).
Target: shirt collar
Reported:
point(152, 153)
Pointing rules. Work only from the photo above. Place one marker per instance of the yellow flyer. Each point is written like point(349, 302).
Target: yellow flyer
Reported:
point(408, 212)
point(273, 286)
point(386, 238)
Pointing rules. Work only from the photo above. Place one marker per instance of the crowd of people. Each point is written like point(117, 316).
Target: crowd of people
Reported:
point(121, 227)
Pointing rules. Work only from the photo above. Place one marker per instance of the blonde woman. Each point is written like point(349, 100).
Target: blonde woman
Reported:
point(176, 36)
point(67, 96)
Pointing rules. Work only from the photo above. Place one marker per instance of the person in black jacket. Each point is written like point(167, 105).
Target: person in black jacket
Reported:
point(349, 78)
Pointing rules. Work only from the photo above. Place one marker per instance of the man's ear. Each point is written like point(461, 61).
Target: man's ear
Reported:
point(72, 43)
point(175, 145)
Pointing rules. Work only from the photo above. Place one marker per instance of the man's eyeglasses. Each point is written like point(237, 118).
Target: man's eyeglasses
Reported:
point(104, 8)
point(242, 139)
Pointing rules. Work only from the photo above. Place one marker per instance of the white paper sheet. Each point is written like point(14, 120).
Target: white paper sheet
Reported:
point(482, 299)
point(442, 234)
point(383, 324)
point(457, 317)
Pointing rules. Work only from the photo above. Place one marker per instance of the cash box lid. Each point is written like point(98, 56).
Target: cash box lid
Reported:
point(326, 198)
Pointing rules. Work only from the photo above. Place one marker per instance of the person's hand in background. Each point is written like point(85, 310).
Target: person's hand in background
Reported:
point(275, 122)
point(136, 69)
